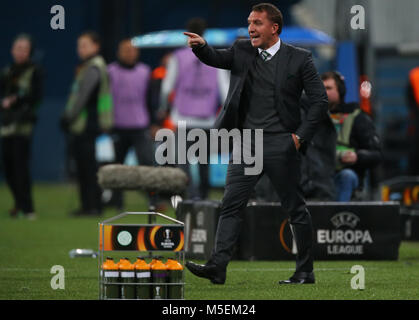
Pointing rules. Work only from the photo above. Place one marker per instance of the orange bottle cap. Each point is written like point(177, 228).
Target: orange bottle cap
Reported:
point(140, 264)
point(125, 264)
point(158, 265)
point(109, 264)
point(173, 265)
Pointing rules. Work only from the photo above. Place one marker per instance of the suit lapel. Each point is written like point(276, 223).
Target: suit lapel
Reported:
point(250, 57)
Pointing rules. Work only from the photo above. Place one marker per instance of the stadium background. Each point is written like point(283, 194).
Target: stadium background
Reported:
point(387, 50)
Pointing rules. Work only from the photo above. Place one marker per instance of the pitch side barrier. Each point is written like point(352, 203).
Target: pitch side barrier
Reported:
point(342, 230)
point(404, 189)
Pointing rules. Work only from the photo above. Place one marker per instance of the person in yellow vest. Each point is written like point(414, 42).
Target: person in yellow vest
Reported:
point(87, 114)
point(358, 146)
point(20, 96)
point(413, 100)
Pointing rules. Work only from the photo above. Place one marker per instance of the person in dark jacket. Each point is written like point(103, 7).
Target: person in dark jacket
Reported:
point(20, 96)
point(358, 146)
point(266, 83)
point(88, 113)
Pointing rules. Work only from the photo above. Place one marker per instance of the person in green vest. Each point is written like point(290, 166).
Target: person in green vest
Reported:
point(88, 113)
point(358, 146)
point(20, 95)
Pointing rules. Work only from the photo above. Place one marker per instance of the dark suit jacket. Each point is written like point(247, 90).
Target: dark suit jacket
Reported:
point(295, 72)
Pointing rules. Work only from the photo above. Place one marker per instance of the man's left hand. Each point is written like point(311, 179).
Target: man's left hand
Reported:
point(296, 142)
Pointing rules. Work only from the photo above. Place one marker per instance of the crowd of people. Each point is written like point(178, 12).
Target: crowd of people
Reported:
point(129, 101)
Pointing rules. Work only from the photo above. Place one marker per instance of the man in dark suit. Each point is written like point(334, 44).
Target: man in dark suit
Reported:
point(267, 79)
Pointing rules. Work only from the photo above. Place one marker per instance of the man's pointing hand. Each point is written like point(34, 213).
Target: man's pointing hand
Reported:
point(194, 40)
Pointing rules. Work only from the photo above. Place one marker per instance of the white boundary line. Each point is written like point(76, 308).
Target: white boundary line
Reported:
point(291, 269)
point(229, 269)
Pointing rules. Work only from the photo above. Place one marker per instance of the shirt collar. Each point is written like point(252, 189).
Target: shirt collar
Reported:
point(272, 50)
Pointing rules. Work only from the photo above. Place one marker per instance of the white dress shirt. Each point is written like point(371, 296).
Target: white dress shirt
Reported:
point(272, 50)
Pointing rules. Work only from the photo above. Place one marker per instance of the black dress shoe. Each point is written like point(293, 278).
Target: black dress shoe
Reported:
point(215, 274)
point(300, 278)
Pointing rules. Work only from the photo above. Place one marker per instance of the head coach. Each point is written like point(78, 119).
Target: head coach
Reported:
point(267, 79)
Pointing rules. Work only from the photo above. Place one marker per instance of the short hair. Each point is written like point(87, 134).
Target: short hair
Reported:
point(26, 37)
point(196, 25)
point(339, 80)
point(273, 13)
point(92, 35)
point(125, 40)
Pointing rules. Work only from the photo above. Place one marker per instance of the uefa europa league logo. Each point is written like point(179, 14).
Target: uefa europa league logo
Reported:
point(167, 234)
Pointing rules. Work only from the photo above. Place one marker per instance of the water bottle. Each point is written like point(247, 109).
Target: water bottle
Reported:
point(84, 253)
point(175, 270)
point(127, 275)
point(111, 277)
point(143, 275)
point(159, 274)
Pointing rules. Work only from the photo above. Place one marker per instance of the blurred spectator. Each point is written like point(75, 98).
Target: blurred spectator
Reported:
point(88, 113)
point(199, 91)
point(157, 77)
point(413, 101)
point(358, 145)
point(133, 115)
point(20, 95)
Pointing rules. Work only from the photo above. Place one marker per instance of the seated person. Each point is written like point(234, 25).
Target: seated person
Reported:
point(358, 145)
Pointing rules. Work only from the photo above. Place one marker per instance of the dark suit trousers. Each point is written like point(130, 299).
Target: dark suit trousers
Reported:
point(281, 163)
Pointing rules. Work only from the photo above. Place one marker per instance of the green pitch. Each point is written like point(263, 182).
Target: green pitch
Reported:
point(28, 250)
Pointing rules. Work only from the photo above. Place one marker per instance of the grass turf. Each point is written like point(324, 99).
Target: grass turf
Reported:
point(28, 250)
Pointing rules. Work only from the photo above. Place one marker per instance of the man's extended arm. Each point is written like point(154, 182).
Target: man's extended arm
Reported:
point(218, 58)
